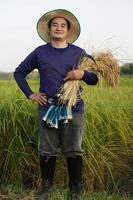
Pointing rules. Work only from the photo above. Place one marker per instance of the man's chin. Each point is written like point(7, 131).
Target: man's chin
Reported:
point(58, 39)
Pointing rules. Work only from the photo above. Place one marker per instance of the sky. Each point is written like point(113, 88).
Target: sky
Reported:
point(105, 25)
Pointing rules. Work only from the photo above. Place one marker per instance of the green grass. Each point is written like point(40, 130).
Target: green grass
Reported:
point(108, 139)
point(13, 192)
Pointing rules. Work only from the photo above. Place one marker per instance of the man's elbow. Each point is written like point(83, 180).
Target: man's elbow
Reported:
point(94, 79)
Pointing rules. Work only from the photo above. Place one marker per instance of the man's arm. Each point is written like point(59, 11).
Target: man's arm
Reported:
point(77, 74)
point(90, 78)
point(25, 67)
point(28, 65)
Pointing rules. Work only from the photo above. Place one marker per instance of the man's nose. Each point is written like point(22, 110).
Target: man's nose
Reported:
point(58, 27)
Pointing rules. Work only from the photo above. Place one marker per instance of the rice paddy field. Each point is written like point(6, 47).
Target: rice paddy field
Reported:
point(108, 144)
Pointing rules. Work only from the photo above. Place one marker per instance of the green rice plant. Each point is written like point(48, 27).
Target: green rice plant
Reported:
point(108, 138)
point(18, 135)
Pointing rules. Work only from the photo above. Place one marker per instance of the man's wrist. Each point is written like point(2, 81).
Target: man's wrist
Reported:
point(82, 74)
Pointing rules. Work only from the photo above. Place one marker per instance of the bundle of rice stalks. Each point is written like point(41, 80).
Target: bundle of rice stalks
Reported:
point(68, 92)
point(107, 66)
point(103, 64)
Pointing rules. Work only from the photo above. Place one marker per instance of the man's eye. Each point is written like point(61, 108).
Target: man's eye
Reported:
point(54, 25)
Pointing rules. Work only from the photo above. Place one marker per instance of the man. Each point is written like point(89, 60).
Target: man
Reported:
point(56, 62)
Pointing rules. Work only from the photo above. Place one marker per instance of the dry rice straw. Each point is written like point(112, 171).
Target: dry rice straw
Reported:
point(106, 66)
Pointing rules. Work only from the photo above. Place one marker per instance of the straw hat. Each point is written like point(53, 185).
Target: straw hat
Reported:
point(43, 30)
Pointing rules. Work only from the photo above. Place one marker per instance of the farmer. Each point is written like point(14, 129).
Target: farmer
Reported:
point(56, 62)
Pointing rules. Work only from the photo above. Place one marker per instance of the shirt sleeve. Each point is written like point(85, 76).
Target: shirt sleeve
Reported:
point(25, 67)
point(90, 78)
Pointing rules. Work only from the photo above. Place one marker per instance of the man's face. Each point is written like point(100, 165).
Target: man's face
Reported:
point(58, 29)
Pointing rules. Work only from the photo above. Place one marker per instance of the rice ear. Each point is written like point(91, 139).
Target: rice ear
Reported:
point(105, 66)
point(108, 67)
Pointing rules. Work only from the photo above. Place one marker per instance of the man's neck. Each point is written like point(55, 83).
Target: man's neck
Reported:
point(59, 44)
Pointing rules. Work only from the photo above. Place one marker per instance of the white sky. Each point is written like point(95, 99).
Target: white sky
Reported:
point(105, 24)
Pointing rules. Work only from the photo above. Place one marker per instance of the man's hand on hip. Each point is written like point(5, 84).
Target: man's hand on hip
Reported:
point(39, 98)
point(76, 74)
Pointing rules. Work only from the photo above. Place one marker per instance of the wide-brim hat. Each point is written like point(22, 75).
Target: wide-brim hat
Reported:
point(43, 29)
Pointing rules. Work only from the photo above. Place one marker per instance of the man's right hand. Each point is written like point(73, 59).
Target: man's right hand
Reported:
point(39, 98)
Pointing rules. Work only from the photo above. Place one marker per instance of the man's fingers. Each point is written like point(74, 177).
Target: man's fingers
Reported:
point(42, 94)
point(41, 102)
point(39, 97)
point(74, 75)
point(69, 76)
point(42, 99)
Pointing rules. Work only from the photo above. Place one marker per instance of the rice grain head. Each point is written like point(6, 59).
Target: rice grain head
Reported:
point(105, 66)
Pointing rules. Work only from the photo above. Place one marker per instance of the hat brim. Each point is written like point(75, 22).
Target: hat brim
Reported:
point(43, 29)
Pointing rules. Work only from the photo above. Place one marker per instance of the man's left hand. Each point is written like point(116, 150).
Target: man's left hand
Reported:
point(76, 74)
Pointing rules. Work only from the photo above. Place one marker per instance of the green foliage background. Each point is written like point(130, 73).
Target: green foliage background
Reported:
point(108, 138)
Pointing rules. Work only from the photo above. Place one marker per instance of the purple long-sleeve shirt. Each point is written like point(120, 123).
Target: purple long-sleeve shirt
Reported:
point(53, 65)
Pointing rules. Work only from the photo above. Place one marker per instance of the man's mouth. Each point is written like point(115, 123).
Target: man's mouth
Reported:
point(58, 33)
